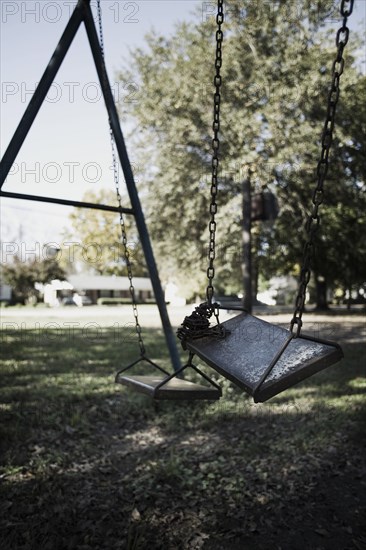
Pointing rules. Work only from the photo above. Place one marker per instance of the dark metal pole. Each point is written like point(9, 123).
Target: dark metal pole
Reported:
point(247, 244)
point(40, 92)
point(130, 182)
point(65, 202)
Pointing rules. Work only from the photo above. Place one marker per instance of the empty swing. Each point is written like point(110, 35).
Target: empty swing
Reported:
point(160, 384)
point(261, 358)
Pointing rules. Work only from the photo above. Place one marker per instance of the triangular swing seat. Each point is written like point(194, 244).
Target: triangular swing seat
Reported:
point(175, 389)
point(169, 386)
point(262, 358)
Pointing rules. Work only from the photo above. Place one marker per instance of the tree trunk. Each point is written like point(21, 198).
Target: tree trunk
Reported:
point(321, 293)
point(349, 297)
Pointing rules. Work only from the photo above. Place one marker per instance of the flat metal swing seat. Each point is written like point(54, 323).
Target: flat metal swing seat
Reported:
point(168, 386)
point(175, 389)
point(262, 358)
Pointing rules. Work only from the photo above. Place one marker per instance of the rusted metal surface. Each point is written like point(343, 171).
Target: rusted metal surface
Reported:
point(262, 358)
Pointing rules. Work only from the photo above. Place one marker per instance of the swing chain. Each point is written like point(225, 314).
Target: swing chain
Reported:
point(126, 252)
point(313, 220)
point(197, 325)
point(101, 37)
point(215, 155)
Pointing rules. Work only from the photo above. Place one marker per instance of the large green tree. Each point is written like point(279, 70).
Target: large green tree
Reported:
point(340, 252)
point(22, 275)
point(276, 72)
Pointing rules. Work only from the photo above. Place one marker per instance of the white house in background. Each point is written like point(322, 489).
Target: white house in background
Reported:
point(111, 286)
point(54, 291)
point(96, 287)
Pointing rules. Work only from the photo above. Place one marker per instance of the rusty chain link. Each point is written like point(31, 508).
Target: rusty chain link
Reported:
point(126, 252)
point(313, 220)
point(215, 152)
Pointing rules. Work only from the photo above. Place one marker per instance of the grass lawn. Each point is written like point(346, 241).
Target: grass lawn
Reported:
point(87, 465)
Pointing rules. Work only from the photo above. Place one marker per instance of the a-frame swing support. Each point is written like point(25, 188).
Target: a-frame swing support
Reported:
point(83, 13)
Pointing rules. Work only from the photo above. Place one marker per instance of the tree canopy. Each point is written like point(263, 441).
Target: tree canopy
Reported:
point(277, 59)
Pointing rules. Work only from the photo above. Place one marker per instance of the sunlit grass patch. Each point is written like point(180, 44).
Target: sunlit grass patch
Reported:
point(358, 383)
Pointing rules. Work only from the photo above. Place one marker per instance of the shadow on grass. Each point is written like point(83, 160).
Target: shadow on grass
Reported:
point(86, 464)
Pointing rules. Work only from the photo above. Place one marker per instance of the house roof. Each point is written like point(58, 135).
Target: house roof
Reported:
point(108, 282)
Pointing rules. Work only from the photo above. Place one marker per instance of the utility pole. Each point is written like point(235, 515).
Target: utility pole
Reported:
point(247, 244)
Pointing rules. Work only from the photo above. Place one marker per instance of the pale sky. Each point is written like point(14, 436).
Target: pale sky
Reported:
point(67, 150)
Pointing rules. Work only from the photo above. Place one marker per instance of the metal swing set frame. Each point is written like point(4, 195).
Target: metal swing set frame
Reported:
point(83, 14)
point(263, 366)
point(168, 386)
